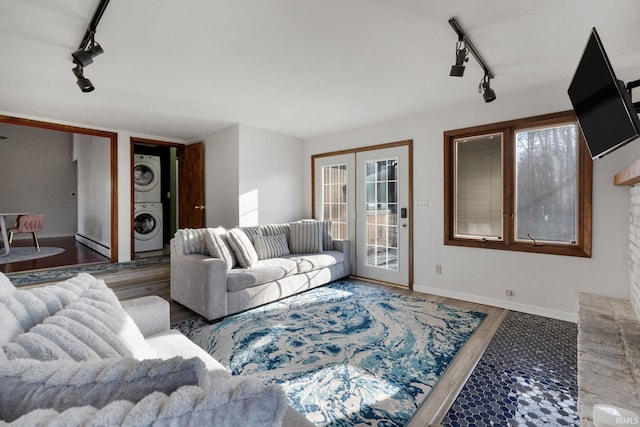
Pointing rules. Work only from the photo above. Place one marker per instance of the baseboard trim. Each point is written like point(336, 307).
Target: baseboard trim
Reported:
point(525, 308)
point(96, 246)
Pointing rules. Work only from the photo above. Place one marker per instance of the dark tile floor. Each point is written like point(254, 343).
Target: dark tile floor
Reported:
point(527, 377)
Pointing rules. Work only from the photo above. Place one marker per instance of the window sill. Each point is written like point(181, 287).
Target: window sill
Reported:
point(549, 249)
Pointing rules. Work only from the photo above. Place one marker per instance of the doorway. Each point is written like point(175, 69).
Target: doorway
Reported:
point(167, 193)
point(367, 194)
point(103, 232)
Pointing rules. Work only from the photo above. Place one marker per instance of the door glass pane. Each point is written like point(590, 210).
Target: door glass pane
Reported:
point(382, 228)
point(478, 187)
point(546, 184)
point(334, 198)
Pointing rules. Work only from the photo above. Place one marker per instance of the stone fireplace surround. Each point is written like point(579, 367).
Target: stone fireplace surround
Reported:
point(609, 329)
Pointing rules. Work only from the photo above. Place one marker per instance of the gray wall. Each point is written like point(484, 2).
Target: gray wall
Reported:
point(37, 175)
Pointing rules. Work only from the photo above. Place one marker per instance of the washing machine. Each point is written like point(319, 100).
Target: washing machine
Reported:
point(146, 178)
point(147, 226)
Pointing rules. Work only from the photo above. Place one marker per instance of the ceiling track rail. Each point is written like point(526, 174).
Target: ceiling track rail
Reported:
point(88, 35)
point(462, 36)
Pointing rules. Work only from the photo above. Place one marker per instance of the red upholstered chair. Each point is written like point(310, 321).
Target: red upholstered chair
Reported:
point(27, 224)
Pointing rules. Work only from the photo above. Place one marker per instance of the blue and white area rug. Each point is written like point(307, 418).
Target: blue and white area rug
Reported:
point(346, 354)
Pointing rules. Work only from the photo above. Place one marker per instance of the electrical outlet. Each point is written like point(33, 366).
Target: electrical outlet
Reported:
point(508, 292)
point(438, 269)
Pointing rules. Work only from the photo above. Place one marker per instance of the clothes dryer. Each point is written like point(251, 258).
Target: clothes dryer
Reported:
point(146, 178)
point(147, 225)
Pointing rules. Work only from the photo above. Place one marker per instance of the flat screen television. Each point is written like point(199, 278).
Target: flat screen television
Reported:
point(602, 104)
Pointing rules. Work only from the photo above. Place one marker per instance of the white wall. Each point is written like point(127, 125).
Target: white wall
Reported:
point(37, 176)
point(271, 181)
point(92, 155)
point(221, 151)
point(252, 176)
point(541, 284)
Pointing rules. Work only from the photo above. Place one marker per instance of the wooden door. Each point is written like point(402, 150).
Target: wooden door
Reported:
point(191, 186)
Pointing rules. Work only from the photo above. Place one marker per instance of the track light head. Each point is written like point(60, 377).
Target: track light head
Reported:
point(457, 70)
point(485, 88)
point(84, 83)
point(84, 57)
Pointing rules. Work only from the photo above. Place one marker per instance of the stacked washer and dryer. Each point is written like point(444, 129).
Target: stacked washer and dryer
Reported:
point(147, 222)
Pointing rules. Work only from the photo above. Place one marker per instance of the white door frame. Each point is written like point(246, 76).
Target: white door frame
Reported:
point(349, 157)
point(377, 236)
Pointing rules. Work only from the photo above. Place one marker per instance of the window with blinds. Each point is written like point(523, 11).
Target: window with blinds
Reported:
point(522, 185)
point(478, 187)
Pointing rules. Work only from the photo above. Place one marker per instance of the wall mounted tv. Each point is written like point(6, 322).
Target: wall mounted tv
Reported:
point(604, 108)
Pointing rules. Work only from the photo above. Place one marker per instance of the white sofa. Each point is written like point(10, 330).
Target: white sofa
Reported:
point(217, 272)
point(72, 354)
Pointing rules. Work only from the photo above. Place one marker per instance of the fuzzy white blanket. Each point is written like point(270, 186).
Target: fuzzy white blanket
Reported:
point(244, 402)
point(27, 384)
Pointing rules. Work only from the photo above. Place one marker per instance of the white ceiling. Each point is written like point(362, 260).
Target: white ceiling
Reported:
point(184, 69)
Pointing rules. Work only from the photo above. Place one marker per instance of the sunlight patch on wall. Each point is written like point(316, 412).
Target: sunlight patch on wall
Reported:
point(248, 208)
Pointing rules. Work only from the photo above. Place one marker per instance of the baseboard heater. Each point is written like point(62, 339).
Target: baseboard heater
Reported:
point(96, 246)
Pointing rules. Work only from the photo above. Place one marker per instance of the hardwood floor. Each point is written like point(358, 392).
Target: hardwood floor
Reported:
point(74, 253)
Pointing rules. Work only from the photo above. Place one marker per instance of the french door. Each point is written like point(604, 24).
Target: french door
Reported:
point(366, 195)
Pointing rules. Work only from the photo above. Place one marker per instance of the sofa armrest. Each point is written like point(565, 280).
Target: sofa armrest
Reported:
point(344, 246)
point(199, 282)
point(150, 314)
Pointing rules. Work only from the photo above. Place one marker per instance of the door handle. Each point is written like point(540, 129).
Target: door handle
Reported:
point(199, 207)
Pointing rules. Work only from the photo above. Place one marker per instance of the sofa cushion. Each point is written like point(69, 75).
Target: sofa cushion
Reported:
point(6, 287)
point(242, 247)
point(310, 262)
point(234, 402)
point(327, 239)
point(271, 246)
point(190, 241)
point(267, 230)
point(218, 247)
point(306, 237)
point(263, 271)
point(171, 343)
point(27, 384)
point(95, 326)
point(23, 309)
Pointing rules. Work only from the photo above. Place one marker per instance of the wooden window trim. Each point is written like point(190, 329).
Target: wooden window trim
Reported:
point(584, 176)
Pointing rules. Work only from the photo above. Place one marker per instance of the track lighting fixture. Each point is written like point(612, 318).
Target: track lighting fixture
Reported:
point(84, 56)
point(88, 49)
point(84, 83)
point(485, 88)
point(463, 47)
point(457, 70)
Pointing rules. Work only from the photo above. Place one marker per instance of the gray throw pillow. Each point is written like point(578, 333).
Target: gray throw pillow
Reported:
point(306, 237)
point(27, 384)
point(327, 239)
point(242, 247)
point(271, 246)
point(217, 246)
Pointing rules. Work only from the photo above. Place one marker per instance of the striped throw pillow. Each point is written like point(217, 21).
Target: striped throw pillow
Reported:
point(217, 246)
point(306, 237)
point(242, 247)
point(271, 246)
point(327, 240)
